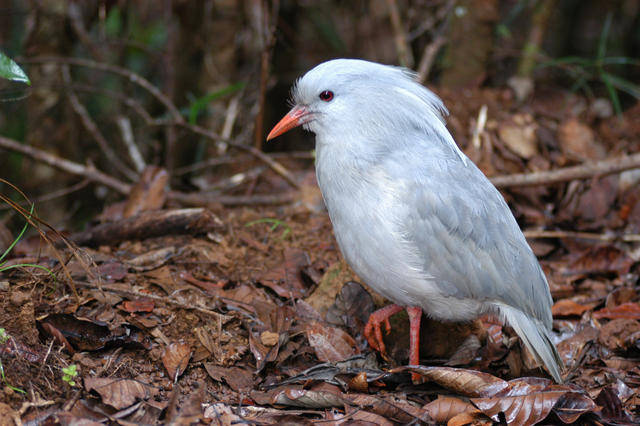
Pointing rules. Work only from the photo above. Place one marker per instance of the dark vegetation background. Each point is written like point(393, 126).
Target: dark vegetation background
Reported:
point(208, 56)
point(225, 313)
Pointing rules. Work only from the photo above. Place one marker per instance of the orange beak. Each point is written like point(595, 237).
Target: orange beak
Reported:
point(294, 118)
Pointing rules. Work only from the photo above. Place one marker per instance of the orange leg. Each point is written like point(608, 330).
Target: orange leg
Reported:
point(372, 330)
point(415, 316)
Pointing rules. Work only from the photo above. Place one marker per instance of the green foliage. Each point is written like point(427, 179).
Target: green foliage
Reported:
point(275, 223)
point(200, 104)
point(584, 70)
point(11, 71)
point(69, 374)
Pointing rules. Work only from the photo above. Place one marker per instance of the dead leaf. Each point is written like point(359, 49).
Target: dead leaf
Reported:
point(149, 193)
point(567, 307)
point(138, 305)
point(330, 285)
point(577, 139)
point(519, 135)
point(175, 359)
point(465, 382)
point(295, 396)
point(521, 409)
point(238, 379)
point(352, 308)
point(286, 280)
point(331, 344)
point(119, 393)
point(627, 310)
point(443, 408)
point(620, 334)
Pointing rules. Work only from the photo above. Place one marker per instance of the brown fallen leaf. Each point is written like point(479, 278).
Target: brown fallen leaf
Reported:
point(238, 379)
point(286, 280)
point(175, 359)
point(527, 409)
point(444, 408)
point(331, 344)
point(119, 393)
point(469, 383)
point(568, 307)
point(619, 334)
point(628, 310)
point(138, 305)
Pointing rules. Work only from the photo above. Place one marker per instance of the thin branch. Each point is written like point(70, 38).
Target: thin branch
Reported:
point(428, 56)
point(275, 166)
point(583, 171)
point(627, 238)
point(402, 46)
point(93, 129)
point(94, 175)
point(127, 137)
point(88, 172)
point(129, 75)
point(51, 195)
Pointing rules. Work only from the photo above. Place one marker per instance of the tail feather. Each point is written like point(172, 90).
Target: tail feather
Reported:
point(536, 337)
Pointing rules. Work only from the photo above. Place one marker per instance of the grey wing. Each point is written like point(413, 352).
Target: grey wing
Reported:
point(470, 242)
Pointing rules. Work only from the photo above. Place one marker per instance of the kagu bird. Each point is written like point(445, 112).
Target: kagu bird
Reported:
point(413, 216)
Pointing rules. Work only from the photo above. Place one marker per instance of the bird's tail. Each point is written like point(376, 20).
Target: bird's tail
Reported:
point(536, 337)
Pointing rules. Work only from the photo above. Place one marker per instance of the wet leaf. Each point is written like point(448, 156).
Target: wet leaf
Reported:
point(568, 307)
point(444, 408)
point(572, 405)
point(523, 409)
point(620, 334)
point(628, 310)
point(298, 397)
point(175, 359)
point(119, 393)
point(465, 382)
point(138, 305)
point(331, 344)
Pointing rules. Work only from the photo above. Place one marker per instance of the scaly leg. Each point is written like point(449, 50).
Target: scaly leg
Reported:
point(372, 330)
point(415, 316)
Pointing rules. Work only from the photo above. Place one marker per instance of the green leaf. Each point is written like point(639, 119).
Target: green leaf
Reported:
point(11, 71)
point(201, 103)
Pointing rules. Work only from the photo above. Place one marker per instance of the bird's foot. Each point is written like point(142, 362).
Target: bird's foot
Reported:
point(373, 331)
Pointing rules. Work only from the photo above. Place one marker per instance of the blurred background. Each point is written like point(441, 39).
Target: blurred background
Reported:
point(120, 85)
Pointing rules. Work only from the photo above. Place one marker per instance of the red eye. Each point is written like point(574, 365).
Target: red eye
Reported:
point(326, 95)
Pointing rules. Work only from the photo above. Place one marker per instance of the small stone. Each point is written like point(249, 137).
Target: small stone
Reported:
point(269, 338)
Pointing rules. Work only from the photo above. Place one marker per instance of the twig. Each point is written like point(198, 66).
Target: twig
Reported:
point(229, 121)
point(127, 137)
point(583, 171)
point(480, 123)
point(136, 294)
point(627, 238)
point(199, 199)
point(92, 128)
point(275, 166)
point(428, 56)
point(52, 195)
point(94, 175)
point(402, 46)
point(130, 102)
point(227, 159)
point(129, 75)
point(88, 172)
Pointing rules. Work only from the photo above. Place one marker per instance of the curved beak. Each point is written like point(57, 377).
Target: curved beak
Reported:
point(294, 118)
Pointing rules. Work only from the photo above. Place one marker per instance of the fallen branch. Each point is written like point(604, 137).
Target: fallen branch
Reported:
point(582, 171)
point(149, 224)
point(627, 238)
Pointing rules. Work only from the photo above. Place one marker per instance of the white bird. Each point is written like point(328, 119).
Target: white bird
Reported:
point(413, 216)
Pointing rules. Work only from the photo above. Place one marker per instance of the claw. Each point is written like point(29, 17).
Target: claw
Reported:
point(373, 331)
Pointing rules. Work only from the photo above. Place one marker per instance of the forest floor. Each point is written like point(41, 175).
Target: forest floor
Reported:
point(250, 315)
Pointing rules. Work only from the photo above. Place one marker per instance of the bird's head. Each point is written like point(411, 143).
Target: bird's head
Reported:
point(347, 96)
